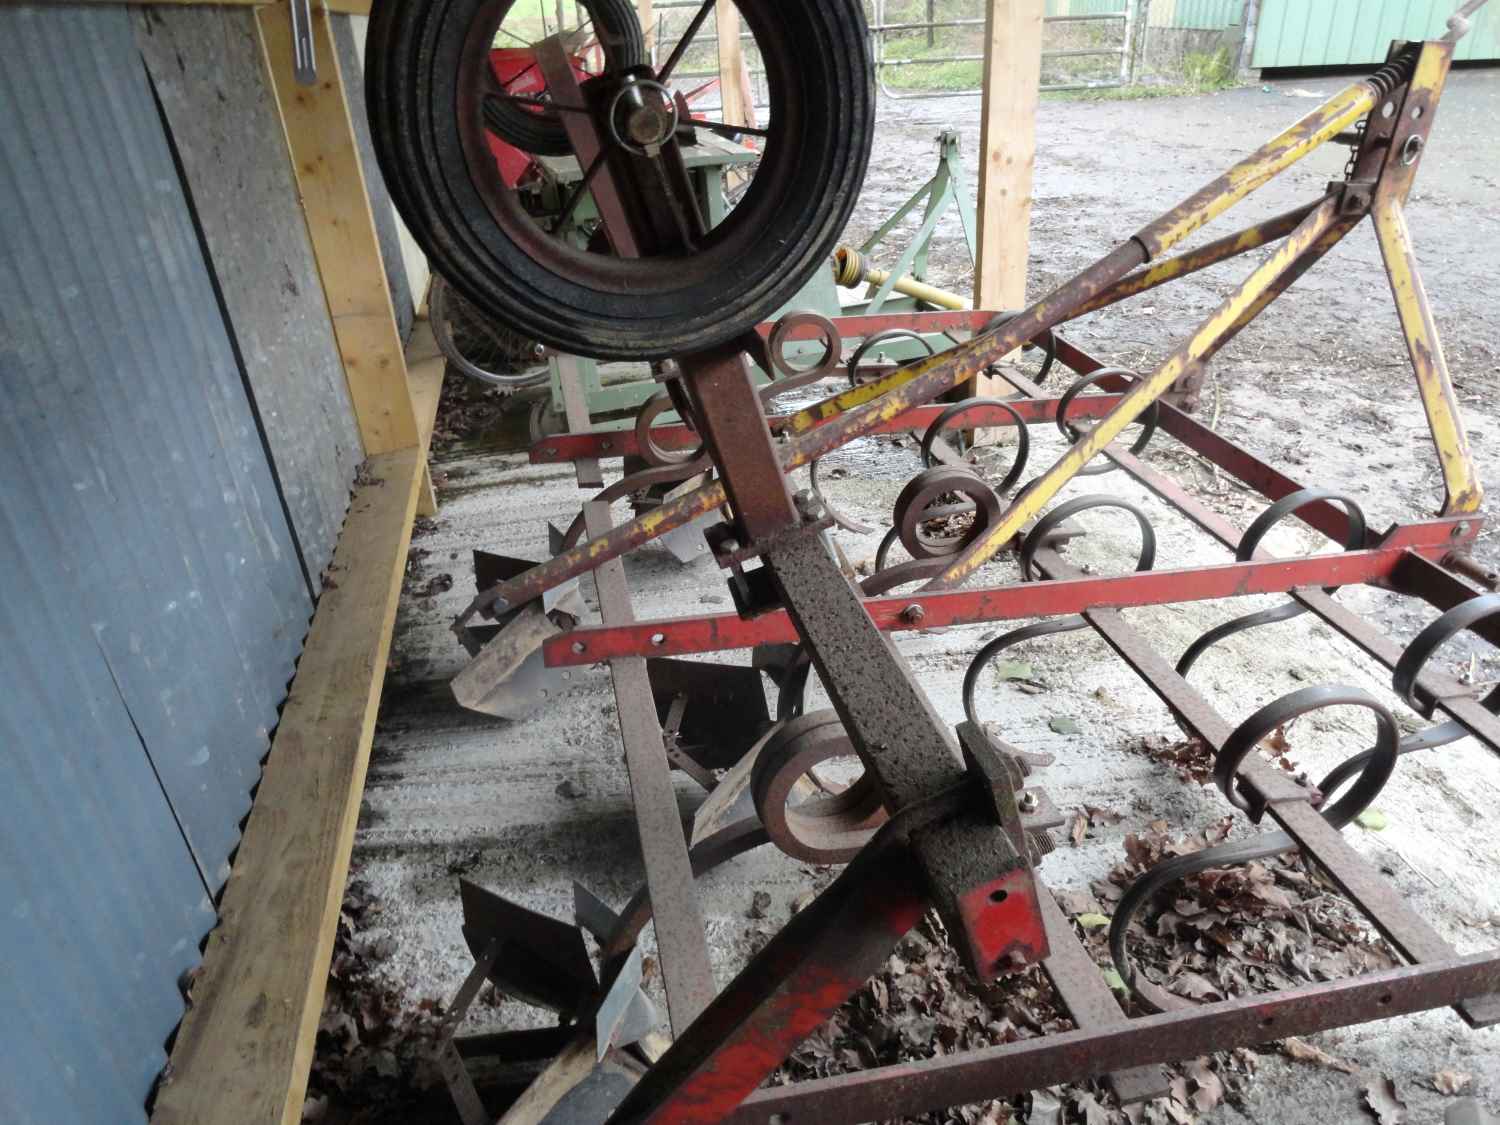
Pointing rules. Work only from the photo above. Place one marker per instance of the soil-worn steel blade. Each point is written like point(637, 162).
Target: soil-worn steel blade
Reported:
point(541, 960)
point(509, 677)
point(726, 708)
point(594, 914)
point(626, 1013)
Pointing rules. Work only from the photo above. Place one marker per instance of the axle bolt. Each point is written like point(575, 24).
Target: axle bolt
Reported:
point(913, 614)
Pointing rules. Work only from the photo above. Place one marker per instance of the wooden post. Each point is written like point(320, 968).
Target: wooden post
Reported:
point(1007, 141)
point(731, 65)
point(320, 139)
point(648, 28)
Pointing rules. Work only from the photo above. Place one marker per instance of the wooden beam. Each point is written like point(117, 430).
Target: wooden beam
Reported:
point(245, 1047)
point(325, 158)
point(425, 366)
point(732, 85)
point(1007, 143)
point(1007, 154)
point(648, 25)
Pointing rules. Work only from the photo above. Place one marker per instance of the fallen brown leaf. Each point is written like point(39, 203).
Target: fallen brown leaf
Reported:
point(1380, 1098)
point(1451, 1082)
point(1306, 1052)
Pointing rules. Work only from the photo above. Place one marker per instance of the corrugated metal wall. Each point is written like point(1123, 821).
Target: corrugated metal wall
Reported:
point(1085, 7)
point(1195, 15)
point(1345, 32)
point(154, 604)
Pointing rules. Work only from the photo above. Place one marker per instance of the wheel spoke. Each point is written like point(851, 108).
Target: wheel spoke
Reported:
point(726, 130)
point(682, 44)
point(535, 102)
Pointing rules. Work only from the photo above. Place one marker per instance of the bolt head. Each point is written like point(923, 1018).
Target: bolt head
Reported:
point(1028, 802)
point(912, 614)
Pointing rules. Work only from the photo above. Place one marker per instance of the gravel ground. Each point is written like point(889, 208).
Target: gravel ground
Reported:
point(1319, 386)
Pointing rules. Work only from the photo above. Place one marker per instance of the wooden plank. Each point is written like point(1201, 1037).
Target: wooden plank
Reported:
point(425, 368)
point(648, 27)
point(226, 130)
point(1007, 154)
point(1007, 144)
point(325, 158)
point(732, 71)
point(245, 1047)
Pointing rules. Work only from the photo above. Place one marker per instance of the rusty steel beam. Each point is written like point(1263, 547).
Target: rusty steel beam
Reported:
point(1178, 364)
point(681, 939)
point(1191, 261)
point(907, 1089)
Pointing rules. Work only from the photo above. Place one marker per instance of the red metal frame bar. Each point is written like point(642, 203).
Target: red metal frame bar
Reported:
point(683, 636)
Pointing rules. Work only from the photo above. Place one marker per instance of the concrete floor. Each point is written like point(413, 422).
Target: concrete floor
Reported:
point(452, 793)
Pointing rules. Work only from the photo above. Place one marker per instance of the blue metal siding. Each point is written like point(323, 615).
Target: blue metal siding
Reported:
point(153, 606)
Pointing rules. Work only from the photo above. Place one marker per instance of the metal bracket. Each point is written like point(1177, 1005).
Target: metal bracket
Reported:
point(304, 57)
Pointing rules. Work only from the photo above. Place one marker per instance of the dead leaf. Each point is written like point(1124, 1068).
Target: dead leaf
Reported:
point(1380, 1097)
point(1306, 1052)
point(1046, 1109)
point(1208, 1090)
point(1078, 829)
point(1451, 1082)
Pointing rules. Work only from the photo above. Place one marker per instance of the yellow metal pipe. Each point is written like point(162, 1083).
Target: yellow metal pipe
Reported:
point(851, 271)
point(1138, 398)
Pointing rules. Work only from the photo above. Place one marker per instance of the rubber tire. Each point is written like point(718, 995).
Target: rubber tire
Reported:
point(765, 251)
point(625, 48)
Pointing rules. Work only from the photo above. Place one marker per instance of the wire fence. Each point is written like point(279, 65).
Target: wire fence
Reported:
point(927, 48)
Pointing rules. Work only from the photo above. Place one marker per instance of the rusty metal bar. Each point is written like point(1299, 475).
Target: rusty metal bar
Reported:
point(911, 1088)
point(622, 443)
point(1191, 261)
point(1090, 1002)
point(1139, 397)
point(682, 636)
point(680, 936)
point(860, 410)
point(1286, 802)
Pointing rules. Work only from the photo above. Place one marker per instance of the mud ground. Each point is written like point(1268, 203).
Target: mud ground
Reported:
point(1320, 385)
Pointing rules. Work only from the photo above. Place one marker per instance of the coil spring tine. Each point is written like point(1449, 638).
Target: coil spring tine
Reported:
point(1369, 770)
point(1245, 551)
point(1149, 418)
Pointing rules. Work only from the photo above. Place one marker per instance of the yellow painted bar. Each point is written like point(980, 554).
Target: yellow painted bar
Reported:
point(1154, 239)
point(1138, 398)
point(1251, 238)
point(1276, 155)
point(1462, 490)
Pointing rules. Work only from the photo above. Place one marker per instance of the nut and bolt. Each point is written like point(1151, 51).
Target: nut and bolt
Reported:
point(1040, 843)
point(1028, 802)
point(808, 503)
point(913, 614)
